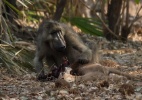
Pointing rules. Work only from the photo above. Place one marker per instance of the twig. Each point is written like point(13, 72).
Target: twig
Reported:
point(127, 13)
point(135, 19)
point(123, 8)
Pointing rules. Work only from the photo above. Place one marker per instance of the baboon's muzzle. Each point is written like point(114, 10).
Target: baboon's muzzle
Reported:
point(59, 42)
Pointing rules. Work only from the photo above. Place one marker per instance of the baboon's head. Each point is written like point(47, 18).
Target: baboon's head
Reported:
point(55, 36)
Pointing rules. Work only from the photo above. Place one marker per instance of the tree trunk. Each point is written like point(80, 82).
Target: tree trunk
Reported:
point(0, 10)
point(59, 9)
point(114, 9)
point(126, 28)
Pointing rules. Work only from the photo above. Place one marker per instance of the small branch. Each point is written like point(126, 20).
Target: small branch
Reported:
point(135, 19)
point(123, 9)
point(119, 18)
point(127, 13)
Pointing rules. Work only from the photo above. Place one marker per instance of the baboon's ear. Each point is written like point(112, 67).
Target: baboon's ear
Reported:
point(46, 36)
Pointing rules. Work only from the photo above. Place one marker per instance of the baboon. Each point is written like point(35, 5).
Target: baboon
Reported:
point(56, 40)
point(95, 71)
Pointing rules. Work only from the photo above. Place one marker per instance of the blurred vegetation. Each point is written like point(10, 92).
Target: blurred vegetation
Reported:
point(88, 25)
point(20, 20)
point(17, 59)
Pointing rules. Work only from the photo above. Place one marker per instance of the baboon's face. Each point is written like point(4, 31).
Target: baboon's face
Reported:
point(56, 35)
point(58, 43)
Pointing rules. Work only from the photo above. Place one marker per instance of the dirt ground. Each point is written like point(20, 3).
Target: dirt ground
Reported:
point(126, 57)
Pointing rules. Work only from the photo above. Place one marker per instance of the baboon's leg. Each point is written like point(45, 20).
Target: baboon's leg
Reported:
point(98, 68)
point(86, 77)
point(92, 76)
point(120, 73)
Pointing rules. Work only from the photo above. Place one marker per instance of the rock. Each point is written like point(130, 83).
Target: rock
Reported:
point(53, 98)
point(63, 92)
point(82, 86)
point(39, 98)
point(62, 83)
point(78, 98)
point(92, 89)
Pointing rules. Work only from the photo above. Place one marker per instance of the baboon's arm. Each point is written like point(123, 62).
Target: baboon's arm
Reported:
point(38, 60)
point(75, 42)
point(38, 63)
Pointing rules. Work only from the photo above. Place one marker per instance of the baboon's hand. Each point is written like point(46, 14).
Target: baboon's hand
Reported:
point(72, 72)
point(42, 77)
point(76, 73)
point(85, 57)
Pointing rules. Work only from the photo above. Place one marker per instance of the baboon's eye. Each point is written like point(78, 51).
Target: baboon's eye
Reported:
point(55, 32)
